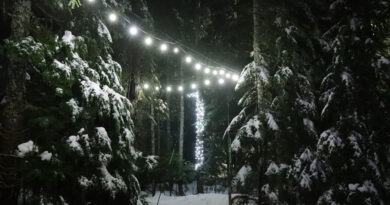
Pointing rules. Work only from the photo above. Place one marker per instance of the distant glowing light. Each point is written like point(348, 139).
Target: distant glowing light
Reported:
point(235, 77)
point(133, 30)
point(207, 82)
point(112, 17)
point(163, 47)
point(199, 125)
point(221, 81)
point(157, 88)
point(176, 50)
point(221, 72)
point(198, 66)
point(215, 72)
point(169, 89)
point(148, 41)
point(193, 86)
point(228, 75)
point(146, 86)
point(91, 1)
point(180, 88)
point(207, 70)
point(188, 59)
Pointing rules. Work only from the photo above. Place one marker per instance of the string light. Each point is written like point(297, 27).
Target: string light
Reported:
point(91, 1)
point(163, 47)
point(193, 86)
point(235, 77)
point(207, 82)
point(199, 125)
point(146, 86)
point(180, 88)
point(169, 89)
point(221, 81)
point(112, 17)
point(148, 41)
point(198, 66)
point(207, 70)
point(221, 72)
point(176, 50)
point(188, 59)
point(228, 75)
point(133, 30)
point(157, 88)
point(215, 72)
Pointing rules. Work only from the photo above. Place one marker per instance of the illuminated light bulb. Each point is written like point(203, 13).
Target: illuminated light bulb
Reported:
point(207, 82)
point(207, 70)
point(180, 88)
point(221, 72)
point(198, 66)
point(228, 75)
point(148, 41)
point(176, 50)
point(91, 1)
point(133, 30)
point(235, 77)
point(188, 59)
point(215, 72)
point(221, 81)
point(193, 86)
point(112, 17)
point(146, 86)
point(157, 88)
point(163, 47)
point(169, 89)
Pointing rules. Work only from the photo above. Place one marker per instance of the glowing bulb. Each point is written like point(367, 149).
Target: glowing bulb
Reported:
point(176, 50)
point(198, 66)
point(180, 88)
point(157, 88)
point(112, 17)
point(163, 47)
point(221, 81)
point(207, 82)
point(215, 72)
point(148, 41)
point(207, 70)
point(193, 86)
point(228, 76)
point(146, 86)
point(188, 59)
point(235, 77)
point(91, 1)
point(169, 89)
point(133, 30)
point(221, 72)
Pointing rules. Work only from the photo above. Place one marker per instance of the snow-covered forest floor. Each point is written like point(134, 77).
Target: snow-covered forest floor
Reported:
point(199, 199)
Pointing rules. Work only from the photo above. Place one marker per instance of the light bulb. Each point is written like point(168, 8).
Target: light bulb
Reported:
point(91, 1)
point(176, 50)
point(198, 66)
point(193, 86)
point(221, 72)
point(221, 81)
point(148, 41)
point(112, 17)
point(157, 88)
point(228, 76)
point(133, 30)
point(188, 59)
point(235, 77)
point(146, 86)
point(163, 47)
point(169, 89)
point(207, 70)
point(180, 88)
point(207, 82)
point(215, 72)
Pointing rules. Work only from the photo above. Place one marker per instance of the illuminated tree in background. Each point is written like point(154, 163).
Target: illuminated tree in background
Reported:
point(200, 124)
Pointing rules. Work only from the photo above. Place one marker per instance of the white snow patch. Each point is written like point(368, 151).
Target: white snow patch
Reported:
point(104, 32)
point(68, 38)
point(243, 173)
point(330, 140)
point(46, 156)
point(26, 148)
point(199, 199)
point(271, 121)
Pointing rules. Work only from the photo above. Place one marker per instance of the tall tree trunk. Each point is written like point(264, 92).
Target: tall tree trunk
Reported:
point(158, 151)
point(152, 133)
point(169, 135)
point(257, 61)
point(12, 116)
point(181, 131)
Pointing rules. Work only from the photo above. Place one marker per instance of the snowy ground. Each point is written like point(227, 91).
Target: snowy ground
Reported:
point(199, 199)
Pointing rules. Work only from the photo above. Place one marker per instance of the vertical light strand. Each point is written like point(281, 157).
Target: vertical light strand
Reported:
point(199, 125)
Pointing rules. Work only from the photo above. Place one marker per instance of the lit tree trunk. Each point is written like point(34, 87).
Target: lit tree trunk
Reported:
point(152, 134)
point(181, 131)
